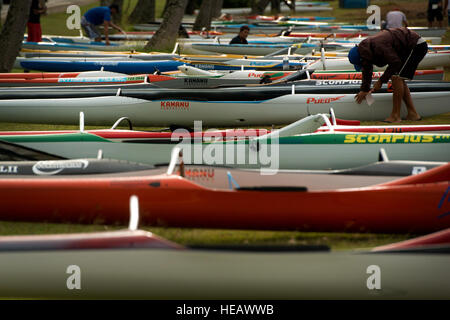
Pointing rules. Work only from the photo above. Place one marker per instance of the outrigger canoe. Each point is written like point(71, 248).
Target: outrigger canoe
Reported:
point(292, 147)
point(259, 49)
point(419, 205)
point(187, 79)
point(265, 105)
point(247, 272)
point(121, 66)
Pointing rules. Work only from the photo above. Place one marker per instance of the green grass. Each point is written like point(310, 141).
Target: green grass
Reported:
point(336, 241)
point(55, 24)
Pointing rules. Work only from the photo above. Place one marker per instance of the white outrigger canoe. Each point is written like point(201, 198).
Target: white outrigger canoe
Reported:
point(267, 105)
point(292, 147)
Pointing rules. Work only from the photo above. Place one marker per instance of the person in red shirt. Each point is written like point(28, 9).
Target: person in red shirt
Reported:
point(34, 20)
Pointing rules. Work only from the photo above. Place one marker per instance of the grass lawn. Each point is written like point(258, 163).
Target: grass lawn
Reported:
point(415, 11)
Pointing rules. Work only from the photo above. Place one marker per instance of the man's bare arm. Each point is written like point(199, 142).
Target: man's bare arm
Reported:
point(106, 28)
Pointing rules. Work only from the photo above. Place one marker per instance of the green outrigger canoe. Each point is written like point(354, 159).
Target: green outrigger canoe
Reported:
point(292, 147)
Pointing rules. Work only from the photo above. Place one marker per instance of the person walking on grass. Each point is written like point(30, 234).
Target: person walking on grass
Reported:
point(402, 50)
point(434, 12)
point(396, 19)
point(96, 17)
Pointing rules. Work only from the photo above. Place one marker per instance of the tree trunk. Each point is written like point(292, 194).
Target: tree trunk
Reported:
point(164, 9)
point(191, 6)
point(217, 8)
point(167, 33)
point(203, 19)
point(12, 33)
point(143, 12)
point(260, 6)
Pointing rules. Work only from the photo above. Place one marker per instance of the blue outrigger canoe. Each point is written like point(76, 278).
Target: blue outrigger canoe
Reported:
point(128, 67)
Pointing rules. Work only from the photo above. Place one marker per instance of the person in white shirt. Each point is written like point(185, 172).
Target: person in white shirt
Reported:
point(396, 19)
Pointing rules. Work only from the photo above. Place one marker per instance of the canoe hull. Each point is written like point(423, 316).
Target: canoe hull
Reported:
point(312, 151)
point(281, 110)
point(161, 197)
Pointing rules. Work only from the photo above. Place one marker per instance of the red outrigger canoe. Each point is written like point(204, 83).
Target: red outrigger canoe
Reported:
point(413, 204)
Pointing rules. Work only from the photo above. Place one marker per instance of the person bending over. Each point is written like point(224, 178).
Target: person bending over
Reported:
point(402, 50)
point(96, 17)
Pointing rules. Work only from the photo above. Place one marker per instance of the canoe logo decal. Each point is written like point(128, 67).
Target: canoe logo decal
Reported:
point(195, 81)
point(322, 100)
point(199, 174)
point(8, 169)
point(55, 167)
point(336, 82)
point(174, 105)
point(405, 138)
point(254, 75)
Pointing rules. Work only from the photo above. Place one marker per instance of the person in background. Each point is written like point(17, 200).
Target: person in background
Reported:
point(34, 20)
point(446, 11)
point(402, 50)
point(96, 17)
point(396, 19)
point(241, 38)
point(435, 12)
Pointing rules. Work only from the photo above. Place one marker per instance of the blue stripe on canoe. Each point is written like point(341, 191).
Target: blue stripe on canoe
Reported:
point(113, 66)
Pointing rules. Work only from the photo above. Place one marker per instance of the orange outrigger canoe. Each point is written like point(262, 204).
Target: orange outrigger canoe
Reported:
point(417, 204)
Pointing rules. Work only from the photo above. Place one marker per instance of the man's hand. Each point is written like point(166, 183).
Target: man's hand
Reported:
point(361, 96)
point(376, 86)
